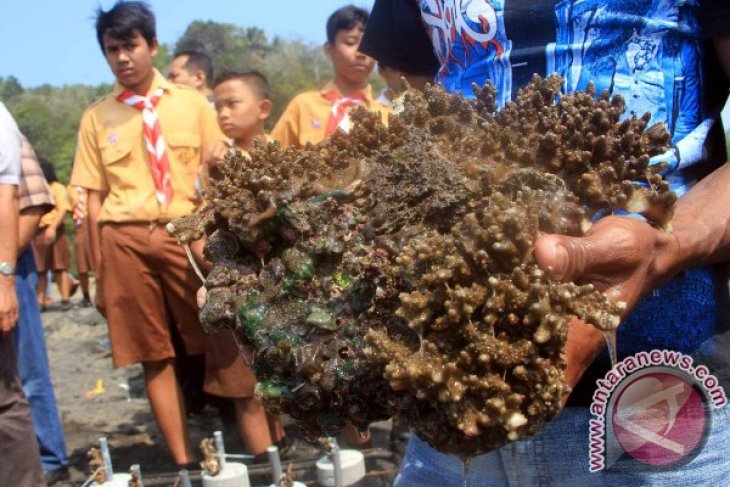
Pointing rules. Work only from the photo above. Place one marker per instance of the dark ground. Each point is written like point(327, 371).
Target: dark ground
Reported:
point(79, 356)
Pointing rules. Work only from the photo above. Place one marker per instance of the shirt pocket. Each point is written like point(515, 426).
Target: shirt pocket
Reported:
point(116, 159)
point(185, 148)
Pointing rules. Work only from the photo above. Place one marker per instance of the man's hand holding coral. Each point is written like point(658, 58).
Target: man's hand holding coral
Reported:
point(623, 257)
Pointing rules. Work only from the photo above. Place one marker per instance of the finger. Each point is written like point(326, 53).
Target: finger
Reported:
point(201, 296)
point(567, 258)
point(612, 245)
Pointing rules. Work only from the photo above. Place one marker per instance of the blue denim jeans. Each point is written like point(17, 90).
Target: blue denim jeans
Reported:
point(559, 457)
point(30, 346)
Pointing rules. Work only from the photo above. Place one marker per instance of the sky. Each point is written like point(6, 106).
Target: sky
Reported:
point(53, 41)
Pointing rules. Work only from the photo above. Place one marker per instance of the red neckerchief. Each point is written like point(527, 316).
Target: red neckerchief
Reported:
point(338, 114)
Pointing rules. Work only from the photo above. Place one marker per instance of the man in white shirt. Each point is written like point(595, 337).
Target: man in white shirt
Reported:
point(20, 463)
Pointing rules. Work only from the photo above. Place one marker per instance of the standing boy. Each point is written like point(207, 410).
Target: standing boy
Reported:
point(50, 244)
point(243, 104)
point(138, 155)
point(315, 115)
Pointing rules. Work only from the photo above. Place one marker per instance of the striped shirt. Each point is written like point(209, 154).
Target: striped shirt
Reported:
point(33, 189)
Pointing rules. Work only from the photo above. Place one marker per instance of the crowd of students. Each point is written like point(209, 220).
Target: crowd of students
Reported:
point(174, 129)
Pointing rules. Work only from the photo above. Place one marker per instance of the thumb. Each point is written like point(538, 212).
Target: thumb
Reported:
point(566, 258)
point(201, 296)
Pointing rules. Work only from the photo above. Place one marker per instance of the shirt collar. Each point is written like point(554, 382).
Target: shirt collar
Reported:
point(158, 81)
point(367, 91)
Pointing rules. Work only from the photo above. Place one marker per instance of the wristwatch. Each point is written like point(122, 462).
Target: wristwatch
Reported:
point(7, 269)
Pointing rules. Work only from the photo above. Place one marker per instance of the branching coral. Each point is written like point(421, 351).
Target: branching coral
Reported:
point(390, 271)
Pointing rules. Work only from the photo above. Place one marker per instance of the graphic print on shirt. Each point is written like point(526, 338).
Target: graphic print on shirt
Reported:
point(644, 50)
point(648, 51)
point(470, 42)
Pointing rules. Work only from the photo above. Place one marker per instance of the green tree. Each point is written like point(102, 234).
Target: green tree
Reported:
point(10, 88)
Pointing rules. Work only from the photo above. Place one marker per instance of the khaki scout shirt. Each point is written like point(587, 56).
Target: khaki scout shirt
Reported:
point(305, 118)
point(63, 204)
point(111, 156)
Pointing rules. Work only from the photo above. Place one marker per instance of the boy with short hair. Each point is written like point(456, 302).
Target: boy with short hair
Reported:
point(315, 115)
point(139, 152)
point(242, 103)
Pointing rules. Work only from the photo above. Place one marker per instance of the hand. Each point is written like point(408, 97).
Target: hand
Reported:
point(201, 296)
point(8, 305)
point(214, 152)
point(623, 257)
point(49, 235)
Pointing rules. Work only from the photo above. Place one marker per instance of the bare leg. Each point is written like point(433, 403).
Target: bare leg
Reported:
point(253, 425)
point(168, 408)
point(84, 280)
point(41, 289)
point(64, 284)
point(275, 428)
point(353, 437)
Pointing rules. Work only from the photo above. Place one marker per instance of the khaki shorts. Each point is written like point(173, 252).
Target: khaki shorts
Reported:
point(84, 261)
point(56, 256)
point(148, 286)
point(226, 374)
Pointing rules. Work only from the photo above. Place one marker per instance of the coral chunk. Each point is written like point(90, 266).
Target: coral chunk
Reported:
point(391, 272)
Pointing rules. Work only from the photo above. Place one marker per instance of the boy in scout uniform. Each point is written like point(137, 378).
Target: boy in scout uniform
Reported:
point(51, 244)
point(243, 104)
point(315, 115)
point(139, 152)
